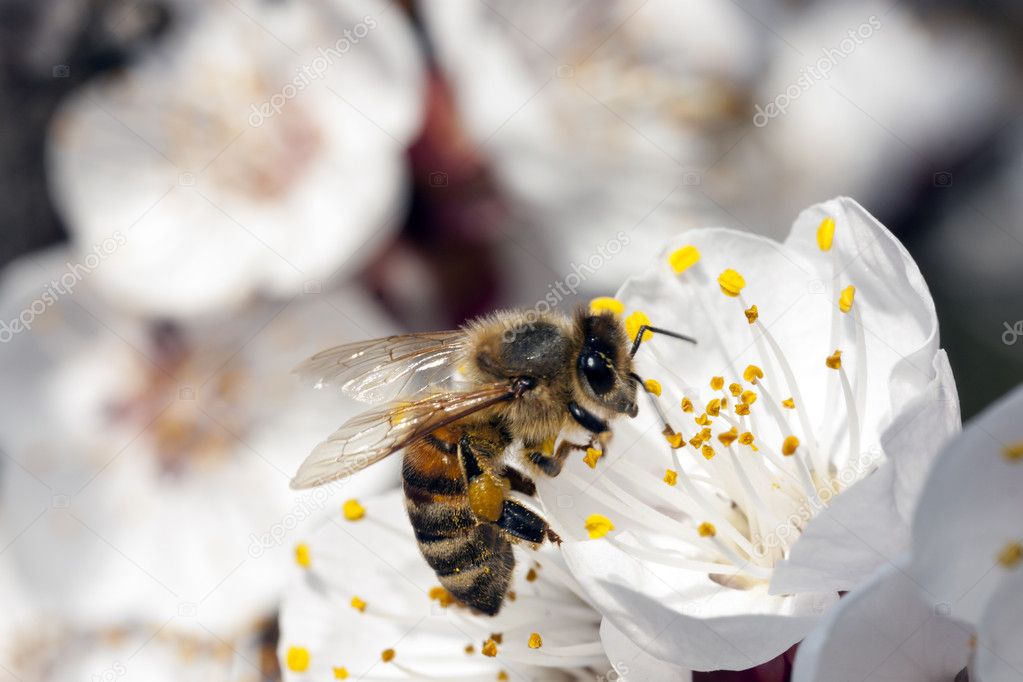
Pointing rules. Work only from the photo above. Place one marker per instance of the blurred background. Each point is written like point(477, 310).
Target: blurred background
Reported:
point(196, 194)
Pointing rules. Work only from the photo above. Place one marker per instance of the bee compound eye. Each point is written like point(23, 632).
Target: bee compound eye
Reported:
point(598, 373)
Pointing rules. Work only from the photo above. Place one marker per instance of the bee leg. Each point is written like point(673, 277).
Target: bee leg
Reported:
point(520, 483)
point(524, 524)
point(485, 489)
point(552, 464)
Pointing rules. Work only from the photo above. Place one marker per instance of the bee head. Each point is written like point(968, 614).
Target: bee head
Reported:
point(604, 365)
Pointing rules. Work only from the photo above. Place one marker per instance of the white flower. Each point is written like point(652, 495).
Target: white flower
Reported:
point(802, 425)
point(367, 606)
point(957, 598)
point(145, 467)
point(259, 147)
point(598, 118)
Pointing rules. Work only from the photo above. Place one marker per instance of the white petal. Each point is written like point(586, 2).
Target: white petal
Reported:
point(631, 662)
point(885, 630)
point(868, 525)
point(998, 657)
point(969, 511)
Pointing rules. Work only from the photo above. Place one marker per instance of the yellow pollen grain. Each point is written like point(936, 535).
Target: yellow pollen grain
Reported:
point(834, 361)
point(731, 282)
point(826, 233)
point(502, 676)
point(535, 641)
point(598, 525)
point(297, 659)
point(1014, 452)
point(752, 314)
point(358, 604)
point(748, 397)
point(511, 595)
point(470, 649)
point(696, 441)
point(441, 596)
point(747, 439)
point(652, 386)
point(707, 452)
point(634, 321)
point(302, 555)
point(591, 457)
point(670, 476)
point(707, 530)
point(714, 407)
point(789, 403)
point(489, 648)
point(340, 673)
point(705, 433)
point(675, 440)
point(687, 405)
point(752, 373)
point(728, 437)
point(547, 447)
point(789, 445)
point(684, 258)
point(717, 383)
point(606, 304)
point(387, 655)
point(845, 299)
point(742, 409)
point(352, 510)
point(530, 576)
point(1011, 555)
point(702, 420)
point(497, 637)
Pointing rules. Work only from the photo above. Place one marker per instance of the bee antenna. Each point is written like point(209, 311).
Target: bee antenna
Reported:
point(657, 330)
point(653, 401)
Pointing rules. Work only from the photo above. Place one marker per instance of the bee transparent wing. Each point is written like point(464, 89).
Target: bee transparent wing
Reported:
point(384, 369)
point(373, 435)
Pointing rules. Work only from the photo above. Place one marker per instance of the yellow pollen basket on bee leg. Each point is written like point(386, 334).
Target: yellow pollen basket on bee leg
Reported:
point(486, 496)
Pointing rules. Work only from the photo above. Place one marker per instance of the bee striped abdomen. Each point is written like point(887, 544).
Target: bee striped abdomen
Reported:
point(472, 559)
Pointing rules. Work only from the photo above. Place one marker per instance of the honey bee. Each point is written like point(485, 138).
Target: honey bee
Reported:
point(456, 402)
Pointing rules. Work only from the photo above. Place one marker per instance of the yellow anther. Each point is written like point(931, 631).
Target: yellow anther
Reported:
point(845, 300)
point(1014, 452)
point(742, 409)
point(675, 440)
point(441, 596)
point(606, 304)
point(714, 407)
point(705, 433)
point(633, 322)
point(752, 314)
point(684, 258)
point(535, 641)
point(728, 437)
point(747, 439)
point(340, 673)
point(302, 556)
point(652, 386)
point(789, 403)
point(297, 659)
point(696, 441)
point(352, 510)
point(724, 403)
point(707, 530)
point(789, 445)
point(826, 233)
point(358, 604)
point(591, 457)
point(834, 361)
point(687, 405)
point(702, 420)
point(752, 373)
point(748, 397)
point(731, 282)
point(387, 655)
point(734, 389)
point(502, 676)
point(717, 383)
point(1011, 555)
point(707, 451)
point(531, 577)
point(598, 525)
point(670, 476)
point(497, 637)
